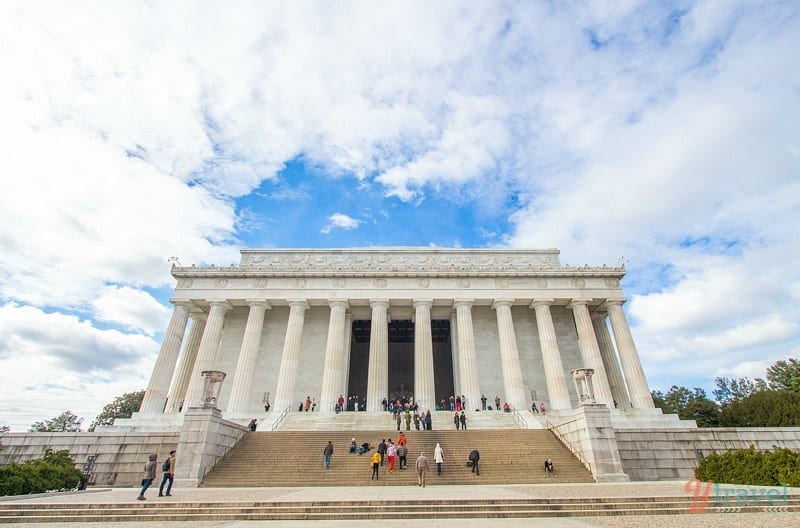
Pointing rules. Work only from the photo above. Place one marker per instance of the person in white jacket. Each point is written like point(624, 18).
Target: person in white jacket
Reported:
point(438, 457)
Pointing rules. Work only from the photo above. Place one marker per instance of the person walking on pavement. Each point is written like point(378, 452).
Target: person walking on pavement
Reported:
point(496, 403)
point(456, 420)
point(483, 402)
point(438, 457)
point(327, 452)
point(391, 452)
point(382, 449)
point(463, 419)
point(149, 474)
point(168, 470)
point(402, 452)
point(422, 468)
point(376, 464)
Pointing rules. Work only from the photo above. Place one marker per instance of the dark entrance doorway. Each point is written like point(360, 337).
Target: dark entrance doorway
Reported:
point(401, 358)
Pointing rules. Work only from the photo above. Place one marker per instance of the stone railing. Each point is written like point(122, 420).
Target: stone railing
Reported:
point(553, 429)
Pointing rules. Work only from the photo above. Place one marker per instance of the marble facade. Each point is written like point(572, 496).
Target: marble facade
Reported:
point(281, 324)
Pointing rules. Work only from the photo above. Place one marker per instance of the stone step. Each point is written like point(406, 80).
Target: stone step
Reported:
point(375, 509)
point(294, 458)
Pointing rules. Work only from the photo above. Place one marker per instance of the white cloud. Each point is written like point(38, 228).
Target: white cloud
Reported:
point(131, 308)
point(340, 221)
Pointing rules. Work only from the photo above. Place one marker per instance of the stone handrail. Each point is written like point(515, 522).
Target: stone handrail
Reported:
point(280, 418)
point(552, 427)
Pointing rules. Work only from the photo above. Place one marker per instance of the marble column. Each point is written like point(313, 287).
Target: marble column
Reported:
point(509, 356)
point(248, 355)
point(207, 353)
point(424, 391)
point(177, 393)
point(468, 360)
point(629, 357)
point(290, 360)
point(378, 372)
point(590, 351)
point(551, 356)
point(334, 357)
point(155, 397)
point(348, 336)
point(454, 353)
point(615, 380)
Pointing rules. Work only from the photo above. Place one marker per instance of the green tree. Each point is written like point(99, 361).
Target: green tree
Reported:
point(730, 390)
point(688, 404)
point(784, 375)
point(66, 422)
point(122, 407)
point(769, 408)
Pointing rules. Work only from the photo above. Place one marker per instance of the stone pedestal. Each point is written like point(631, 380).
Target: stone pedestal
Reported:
point(205, 438)
point(590, 434)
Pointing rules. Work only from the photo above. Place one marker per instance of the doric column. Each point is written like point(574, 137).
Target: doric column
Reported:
point(590, 351)
point(207, 353)
point(334, 357)
point(629, 357)
point(509, 355)
point(246, 365)
point(290, 361)
point(348, 336)
point(551, 356)
point(454, 352)
point(155, 397)
point(615, 380)
point(378, 371)
point(468, 360)
point(424, 391)
point(177, 393)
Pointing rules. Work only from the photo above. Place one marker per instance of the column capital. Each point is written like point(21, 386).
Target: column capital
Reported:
point(259, 302)
point(579, 301)
point(422, 302)
point(182, 302)
point(339, 302)
point(542, 302)
point(463, 302)
point(598, 313)
point(614, 302)
point(301, 303)
point(224, 304)
point(198, 315)
point(502, 302)
point(379, 302)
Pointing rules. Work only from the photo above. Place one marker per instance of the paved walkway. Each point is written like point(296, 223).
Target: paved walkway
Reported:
point(454, 493)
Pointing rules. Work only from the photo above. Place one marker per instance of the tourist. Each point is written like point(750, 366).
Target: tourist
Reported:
point(456, 420)
point(541, 407)
point(442, 404)
point(376, 462)
point(452, 403)
point(300, 409)
point(534, 408)
point(168, 470)
point(422, 468)
point(463, 418)
point(428, 420)
point(416, 420)
point(398, 417)
point(313, 404)
point(506, 407)
point(483, 402)
point(149, 474)
point(458, 403)
point(382, 449)
point(353, 445)
point(253, 425)
point(548, 467)
point(402, 439)
point(364, 448)
point(327, 453)
point(474, 457)
point(340, 404)
point(497, 402)
point(408, 419)
point(463, 402)
point(391, 452)
point(308, 403)
point(438, 457)
point(402, 452)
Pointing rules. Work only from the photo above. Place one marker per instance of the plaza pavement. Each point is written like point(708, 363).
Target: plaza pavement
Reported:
point(454, 493)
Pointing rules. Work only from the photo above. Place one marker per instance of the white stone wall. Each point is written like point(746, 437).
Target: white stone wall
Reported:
point(121, 456)
point(658, 454)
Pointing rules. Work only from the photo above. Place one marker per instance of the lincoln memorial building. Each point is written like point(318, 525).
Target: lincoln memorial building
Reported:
point(428, 323)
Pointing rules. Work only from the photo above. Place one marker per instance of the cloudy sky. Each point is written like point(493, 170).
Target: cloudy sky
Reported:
point(662, 133)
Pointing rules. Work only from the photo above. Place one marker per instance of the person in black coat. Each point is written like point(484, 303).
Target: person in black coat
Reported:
point(474, 457)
